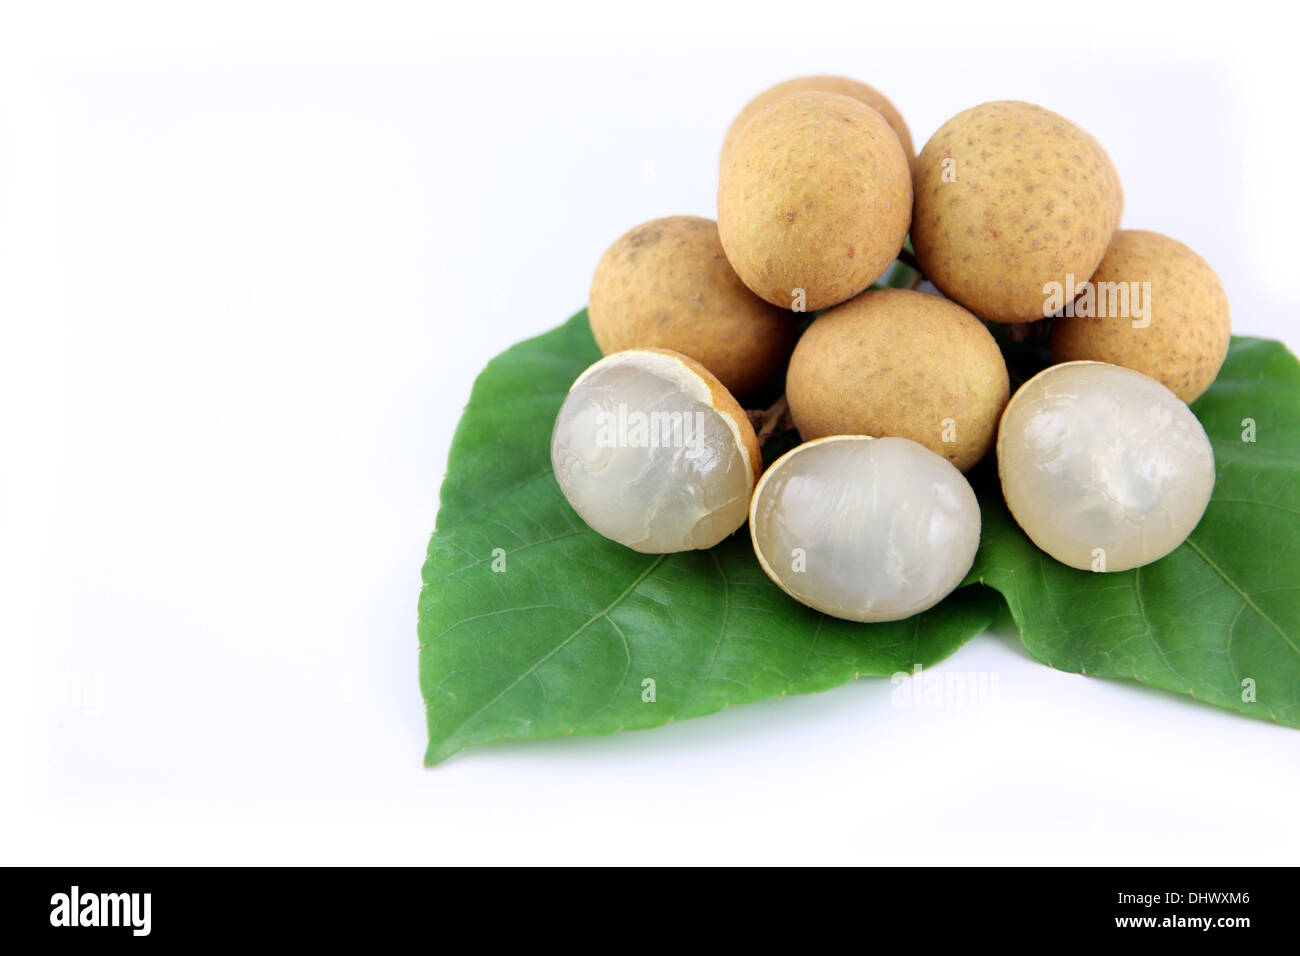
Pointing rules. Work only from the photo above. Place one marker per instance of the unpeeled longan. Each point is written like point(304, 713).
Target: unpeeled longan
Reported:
point(667, 284)
point(901, 364)
point(1181, 336)
point(1010, 198)
point(823, 83)
point(814, 200)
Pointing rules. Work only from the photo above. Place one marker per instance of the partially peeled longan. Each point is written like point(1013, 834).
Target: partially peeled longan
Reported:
point(652, 452)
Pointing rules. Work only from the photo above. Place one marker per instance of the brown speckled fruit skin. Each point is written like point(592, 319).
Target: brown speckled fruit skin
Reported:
point(667, 284)
point(815, 195)
point(1035, 198)
point(1184, 346)
point(897, 363)
point(824, 84)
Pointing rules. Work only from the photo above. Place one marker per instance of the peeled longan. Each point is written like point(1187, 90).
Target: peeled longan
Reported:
point(1176, 330)
point(900, 364)
point(814, 200)
point(824, 84)
point(1011, 197)
point(886, 528)
point(667, 284)
point(1104, 468)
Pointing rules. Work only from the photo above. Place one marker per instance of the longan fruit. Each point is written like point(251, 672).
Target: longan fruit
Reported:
point(1010, 197)
point(667, 284)
point(824, 84)
point(1182, 337)
point(902, 364)
point(887, 527)
point(653, 452)
point(814, 200)
point(1103, 467)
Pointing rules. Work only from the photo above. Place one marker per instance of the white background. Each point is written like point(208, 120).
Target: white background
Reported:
point(252, 257)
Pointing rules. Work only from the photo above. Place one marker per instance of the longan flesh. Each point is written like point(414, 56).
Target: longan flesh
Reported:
point(900, 363)
point(650, 454)
point(667, 284)
point(1104, 468)
point(865, 529)
point(1181, 339)
point(814, 200)
point(1009, 198)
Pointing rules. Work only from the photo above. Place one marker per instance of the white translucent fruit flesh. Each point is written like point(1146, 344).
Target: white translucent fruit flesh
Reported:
point(652, 452)
point(1104, 468)
point(867, 529)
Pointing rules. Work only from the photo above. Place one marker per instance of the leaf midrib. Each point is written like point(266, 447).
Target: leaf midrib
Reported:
point(556, 649)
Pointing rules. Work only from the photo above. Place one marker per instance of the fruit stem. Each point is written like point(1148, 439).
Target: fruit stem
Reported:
point(1024, 331)
point(772, 419)
point(909, 260)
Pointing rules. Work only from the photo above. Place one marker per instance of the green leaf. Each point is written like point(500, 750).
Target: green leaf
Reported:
point(1223, 608)
point(532, 625)
point(563, 635)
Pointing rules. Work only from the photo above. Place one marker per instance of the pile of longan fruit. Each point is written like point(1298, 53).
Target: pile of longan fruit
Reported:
point(1013, 216)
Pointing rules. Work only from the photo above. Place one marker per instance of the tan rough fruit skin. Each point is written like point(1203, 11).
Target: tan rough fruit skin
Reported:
point(815, 195)
point(1035, 198)
point(824, 84)
point(1184, 346)
point(667, 284)
point(1113, 172)
point(897, 363)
